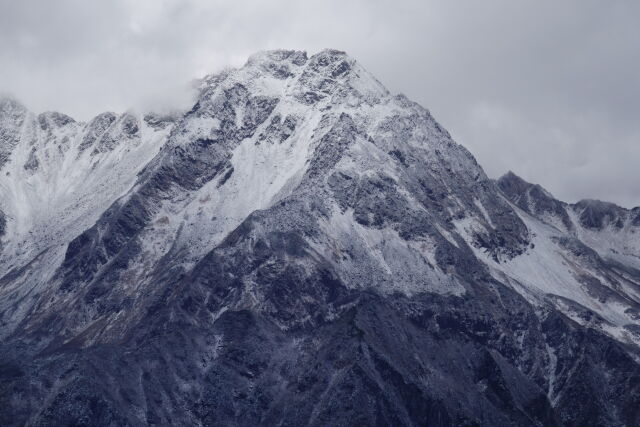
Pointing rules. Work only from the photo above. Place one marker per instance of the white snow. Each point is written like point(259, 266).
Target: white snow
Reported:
point(548, 269)
point(620, 244)
point(46, 207)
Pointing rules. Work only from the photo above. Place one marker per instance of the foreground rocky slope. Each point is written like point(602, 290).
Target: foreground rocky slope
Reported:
point(301, 247)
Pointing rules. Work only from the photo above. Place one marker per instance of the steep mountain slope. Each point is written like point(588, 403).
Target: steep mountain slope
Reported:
point(583, 257)
point(57, 177)
point(301, 247)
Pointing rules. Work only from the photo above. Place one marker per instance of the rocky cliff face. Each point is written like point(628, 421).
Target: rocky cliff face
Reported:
point(301, 247)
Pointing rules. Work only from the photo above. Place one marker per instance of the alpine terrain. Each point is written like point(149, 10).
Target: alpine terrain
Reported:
point(301, 247)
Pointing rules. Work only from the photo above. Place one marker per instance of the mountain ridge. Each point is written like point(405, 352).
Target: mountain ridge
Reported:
point(302, 247)
point(510, 175)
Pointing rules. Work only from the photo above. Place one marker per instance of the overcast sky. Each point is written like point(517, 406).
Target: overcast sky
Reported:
point(548, 89)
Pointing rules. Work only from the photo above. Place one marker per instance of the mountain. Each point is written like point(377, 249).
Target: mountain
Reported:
point(301, 247)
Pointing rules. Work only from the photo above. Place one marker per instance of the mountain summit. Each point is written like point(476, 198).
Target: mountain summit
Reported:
point(301, 247)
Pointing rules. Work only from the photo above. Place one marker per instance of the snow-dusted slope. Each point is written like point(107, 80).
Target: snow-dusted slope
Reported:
point(607, 228)
point(301, 247)
point(57, 178)
point(60, 174)
point(282, 126)
point(583, 258)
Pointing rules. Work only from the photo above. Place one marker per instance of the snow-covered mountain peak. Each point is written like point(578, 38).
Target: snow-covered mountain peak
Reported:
point(10, 106)
point(12, 117)
point(328, 77)
point(596, 214)
point(53, 166)
point(274, 60)
point(299, 225)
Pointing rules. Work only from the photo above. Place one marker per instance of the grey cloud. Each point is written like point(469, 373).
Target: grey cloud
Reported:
point(548, 89)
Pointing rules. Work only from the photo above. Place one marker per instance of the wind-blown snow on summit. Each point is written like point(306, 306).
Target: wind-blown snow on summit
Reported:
point(301, 247)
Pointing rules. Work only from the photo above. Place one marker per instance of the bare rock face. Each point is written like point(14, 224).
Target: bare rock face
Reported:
point(301, 248)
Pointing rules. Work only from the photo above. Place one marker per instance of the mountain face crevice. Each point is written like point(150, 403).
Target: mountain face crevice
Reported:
point(301, 247)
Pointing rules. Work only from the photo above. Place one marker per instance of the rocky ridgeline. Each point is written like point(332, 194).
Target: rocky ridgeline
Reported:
point(301, 247)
